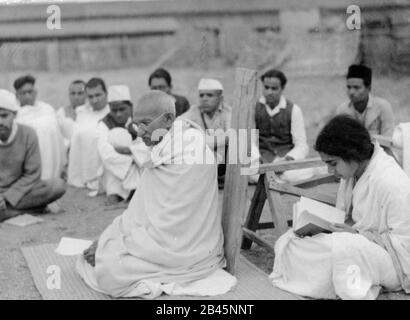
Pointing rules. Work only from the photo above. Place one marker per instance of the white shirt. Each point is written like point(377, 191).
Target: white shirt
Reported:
point(43, 119)
point(84, 160)
point(298, 132)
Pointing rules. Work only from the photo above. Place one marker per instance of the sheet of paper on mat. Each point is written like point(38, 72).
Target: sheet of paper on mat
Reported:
point(71, 246)
point(24, 220)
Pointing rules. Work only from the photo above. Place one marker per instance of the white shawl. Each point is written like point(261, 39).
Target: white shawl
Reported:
point(381, 209)
point(171, 234)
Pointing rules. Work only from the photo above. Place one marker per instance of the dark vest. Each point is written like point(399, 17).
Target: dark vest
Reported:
point(181, 104)
point(110, 122)
point(274, 132)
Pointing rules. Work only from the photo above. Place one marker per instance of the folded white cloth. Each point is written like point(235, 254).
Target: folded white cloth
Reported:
point(217, 283)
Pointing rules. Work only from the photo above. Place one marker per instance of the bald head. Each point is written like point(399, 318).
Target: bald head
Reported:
point(154, 115)
point(153, 104)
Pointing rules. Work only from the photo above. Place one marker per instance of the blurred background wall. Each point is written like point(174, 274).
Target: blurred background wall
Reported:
point(302, 37)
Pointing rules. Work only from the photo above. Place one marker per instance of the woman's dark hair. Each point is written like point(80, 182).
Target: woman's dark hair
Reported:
point(345, 137)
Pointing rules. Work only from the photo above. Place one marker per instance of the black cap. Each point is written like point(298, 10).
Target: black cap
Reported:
point(361, 72)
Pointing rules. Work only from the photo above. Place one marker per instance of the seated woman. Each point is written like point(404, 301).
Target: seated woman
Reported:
point(371, 252)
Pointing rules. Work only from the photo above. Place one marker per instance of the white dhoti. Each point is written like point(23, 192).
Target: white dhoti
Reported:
point(327, 266)
point(121, 187)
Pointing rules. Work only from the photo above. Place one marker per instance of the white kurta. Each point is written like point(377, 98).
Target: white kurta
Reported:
point(120, 172)
point(170, 237)
point(354, 266)
point(66, 126)
point(43, 119)
point(84, 161)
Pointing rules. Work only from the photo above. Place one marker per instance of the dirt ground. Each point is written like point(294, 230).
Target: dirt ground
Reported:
point(86, 217)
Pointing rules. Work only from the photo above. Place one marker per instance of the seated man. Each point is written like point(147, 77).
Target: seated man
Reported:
point(282, 134)
point(20, 163)
point(84, 161)
point(374, 113)
point(170, 238)
point(280, 122)
point(67, 115)
point(214, 116)
point(358, 258)
point(120, 171)
point(212, 113)
point(160, 79)
point(43, 119)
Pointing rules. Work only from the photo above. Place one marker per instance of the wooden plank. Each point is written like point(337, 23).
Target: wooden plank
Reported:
point(383, 141)
point(276, 209)
point(255, 211)
point(283, 166)
point(288, 189)
point(234, 198)
point(315, 181)
point(251, 235)
point(265, 225)
point(270, 225)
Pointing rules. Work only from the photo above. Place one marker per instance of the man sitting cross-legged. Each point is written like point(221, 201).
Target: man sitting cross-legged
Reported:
point(170, 238)
point(120, 166)
point(20, 163)
point(41, 117)
point(84, 160)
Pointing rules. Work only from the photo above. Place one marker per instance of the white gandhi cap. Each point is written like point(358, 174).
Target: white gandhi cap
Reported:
point(210, 84)
point(8, 101)
point(119, 93)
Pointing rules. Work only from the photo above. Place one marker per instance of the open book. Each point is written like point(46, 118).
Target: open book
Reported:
point(311, 217)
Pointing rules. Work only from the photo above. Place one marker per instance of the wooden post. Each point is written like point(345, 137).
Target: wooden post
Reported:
point(255, 211)
point(234, 199)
